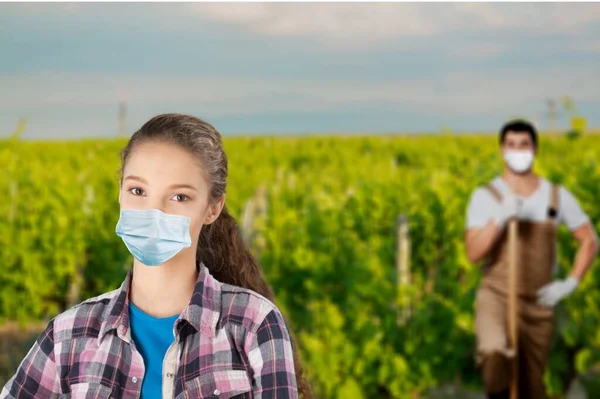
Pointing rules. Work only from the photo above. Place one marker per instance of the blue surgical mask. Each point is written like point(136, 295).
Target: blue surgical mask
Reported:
point(153, 237)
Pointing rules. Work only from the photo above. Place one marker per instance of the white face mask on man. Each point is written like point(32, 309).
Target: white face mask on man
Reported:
point(519, 161)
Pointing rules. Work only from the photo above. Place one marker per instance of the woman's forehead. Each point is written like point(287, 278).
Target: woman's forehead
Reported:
point(163, 161)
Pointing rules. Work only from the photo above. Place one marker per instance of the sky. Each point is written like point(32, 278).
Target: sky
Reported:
point(295, 68)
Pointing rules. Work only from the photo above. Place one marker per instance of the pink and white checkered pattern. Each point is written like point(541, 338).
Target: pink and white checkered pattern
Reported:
point(231, 342)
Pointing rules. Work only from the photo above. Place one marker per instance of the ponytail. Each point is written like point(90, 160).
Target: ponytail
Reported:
point(223, 251)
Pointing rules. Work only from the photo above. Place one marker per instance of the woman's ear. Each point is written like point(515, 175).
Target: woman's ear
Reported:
point(214, 210)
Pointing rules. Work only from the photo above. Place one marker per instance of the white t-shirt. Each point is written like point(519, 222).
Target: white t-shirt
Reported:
point(483, 206)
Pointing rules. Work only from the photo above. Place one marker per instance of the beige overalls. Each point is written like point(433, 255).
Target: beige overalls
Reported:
point(536, 248)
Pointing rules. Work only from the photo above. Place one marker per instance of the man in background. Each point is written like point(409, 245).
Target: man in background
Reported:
point(539, 208)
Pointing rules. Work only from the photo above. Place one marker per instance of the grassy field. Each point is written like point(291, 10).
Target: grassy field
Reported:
point(321, 215)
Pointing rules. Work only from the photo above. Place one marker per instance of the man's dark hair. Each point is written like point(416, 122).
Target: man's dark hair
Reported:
point(519, 126)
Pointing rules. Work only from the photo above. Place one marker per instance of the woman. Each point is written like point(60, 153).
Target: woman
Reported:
point(194, 318)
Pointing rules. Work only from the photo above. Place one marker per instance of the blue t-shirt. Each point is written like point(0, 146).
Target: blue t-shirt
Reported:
point(152, 337)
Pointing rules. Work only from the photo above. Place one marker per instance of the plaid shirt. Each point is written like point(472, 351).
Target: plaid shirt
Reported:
point(229, 342)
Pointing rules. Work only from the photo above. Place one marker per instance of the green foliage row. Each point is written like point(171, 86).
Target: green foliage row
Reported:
point(327, 245)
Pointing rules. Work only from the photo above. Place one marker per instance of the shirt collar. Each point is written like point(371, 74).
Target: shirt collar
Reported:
point(118, 311)
point(202, 312)
point(204, 309)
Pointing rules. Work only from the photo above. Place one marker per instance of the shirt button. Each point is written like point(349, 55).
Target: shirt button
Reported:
point(170, 375)
point(216, 392)
point(134, 380)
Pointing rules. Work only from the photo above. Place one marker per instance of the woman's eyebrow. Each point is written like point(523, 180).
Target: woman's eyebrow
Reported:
point(173, 186)
point(183, 186)
point(137, 178)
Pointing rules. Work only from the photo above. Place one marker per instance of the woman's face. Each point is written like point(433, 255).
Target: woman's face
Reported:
point(164, 176)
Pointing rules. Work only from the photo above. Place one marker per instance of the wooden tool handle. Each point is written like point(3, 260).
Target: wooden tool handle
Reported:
point(512, 304)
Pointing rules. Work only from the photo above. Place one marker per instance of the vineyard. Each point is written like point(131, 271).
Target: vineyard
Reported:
point(326, 236)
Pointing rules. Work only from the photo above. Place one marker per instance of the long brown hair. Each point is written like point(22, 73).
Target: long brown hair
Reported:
point(220, 246)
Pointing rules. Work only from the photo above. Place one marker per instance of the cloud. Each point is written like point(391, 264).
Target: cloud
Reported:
point(367, 22)
point(326, 20)
point(357, 23)
point(486, 30)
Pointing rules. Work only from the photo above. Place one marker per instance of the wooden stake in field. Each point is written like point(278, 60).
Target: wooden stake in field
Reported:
point(512, 304)
point(403, 267)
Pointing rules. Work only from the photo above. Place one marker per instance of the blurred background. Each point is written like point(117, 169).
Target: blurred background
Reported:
point(356, 133)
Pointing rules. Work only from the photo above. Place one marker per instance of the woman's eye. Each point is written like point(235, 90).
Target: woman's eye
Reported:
point(136, 191)
point(181, 198)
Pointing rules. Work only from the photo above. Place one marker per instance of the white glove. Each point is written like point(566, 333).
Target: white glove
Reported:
point(550, 294)
point(509, 208)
